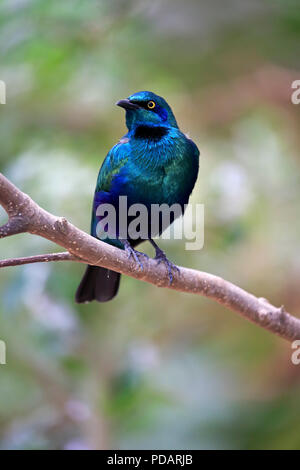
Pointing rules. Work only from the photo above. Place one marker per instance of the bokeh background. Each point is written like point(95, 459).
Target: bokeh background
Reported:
point(154, 368)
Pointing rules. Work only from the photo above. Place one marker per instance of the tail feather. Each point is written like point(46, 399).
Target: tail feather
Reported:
point(99, 284)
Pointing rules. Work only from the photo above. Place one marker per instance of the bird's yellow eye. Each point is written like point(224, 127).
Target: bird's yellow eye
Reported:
point(151, 104)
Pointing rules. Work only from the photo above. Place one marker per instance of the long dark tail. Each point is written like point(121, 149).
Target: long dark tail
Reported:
point(97, 284)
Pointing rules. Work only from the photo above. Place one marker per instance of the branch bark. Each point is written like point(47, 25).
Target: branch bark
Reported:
point(26, 216)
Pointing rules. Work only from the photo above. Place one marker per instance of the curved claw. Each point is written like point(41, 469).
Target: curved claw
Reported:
point(161, 258)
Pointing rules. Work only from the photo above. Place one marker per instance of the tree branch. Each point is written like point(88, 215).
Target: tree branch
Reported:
point(66, 256)
point(13, 226)
point(25, 215)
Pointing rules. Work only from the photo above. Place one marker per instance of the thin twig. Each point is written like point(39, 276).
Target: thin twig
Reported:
point(65, 256)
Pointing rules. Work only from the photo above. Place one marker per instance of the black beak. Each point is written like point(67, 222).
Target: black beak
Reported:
point(126, 104)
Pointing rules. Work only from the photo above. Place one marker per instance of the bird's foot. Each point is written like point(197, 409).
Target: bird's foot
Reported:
point(161, 257)
point(136, 255)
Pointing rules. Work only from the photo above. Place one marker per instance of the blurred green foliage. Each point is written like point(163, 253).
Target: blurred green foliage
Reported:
point(153, 368)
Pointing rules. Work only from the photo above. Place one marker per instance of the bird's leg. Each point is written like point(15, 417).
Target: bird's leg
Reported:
point(161, 257)
point(132, 253)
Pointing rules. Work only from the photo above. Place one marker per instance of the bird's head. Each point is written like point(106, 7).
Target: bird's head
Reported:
point(147, 108)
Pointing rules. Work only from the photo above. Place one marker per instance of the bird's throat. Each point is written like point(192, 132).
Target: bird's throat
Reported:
point(150, 132)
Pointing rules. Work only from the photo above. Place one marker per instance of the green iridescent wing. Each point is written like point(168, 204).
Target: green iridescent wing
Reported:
point(114, 161)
